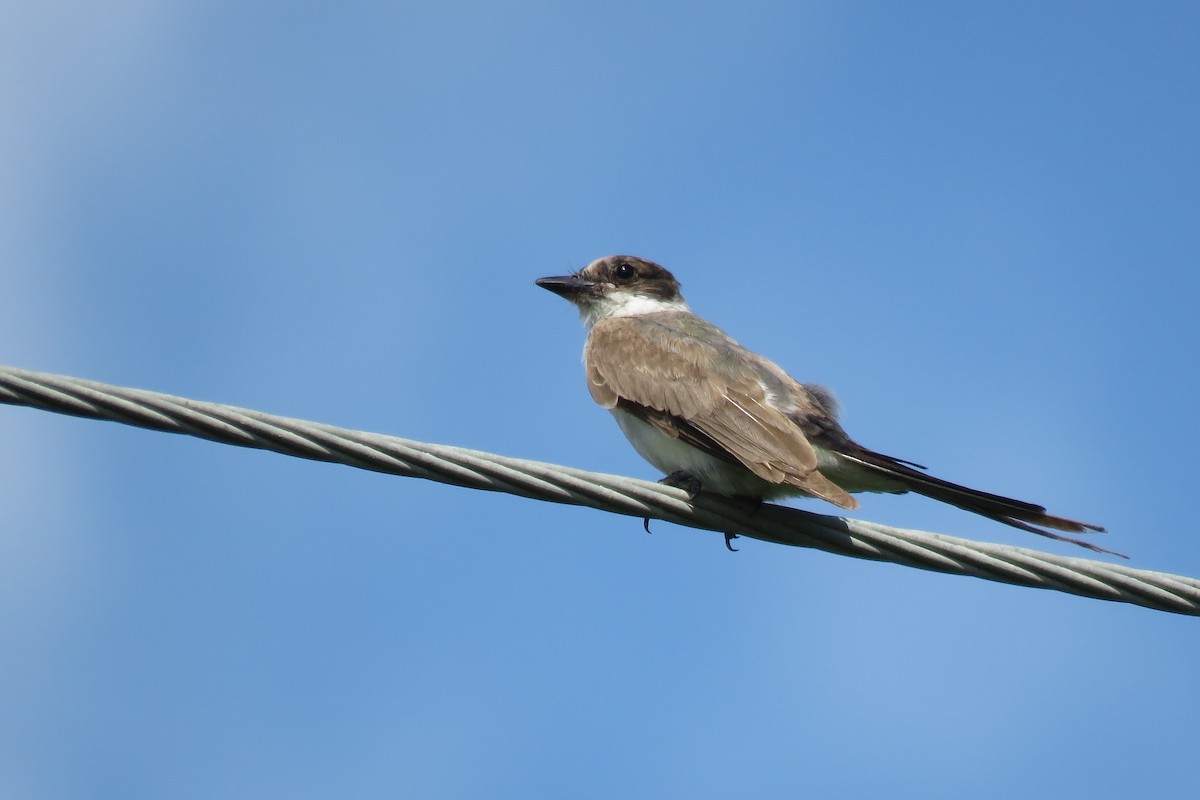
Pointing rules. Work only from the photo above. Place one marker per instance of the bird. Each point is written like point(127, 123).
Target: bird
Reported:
point(714, 416)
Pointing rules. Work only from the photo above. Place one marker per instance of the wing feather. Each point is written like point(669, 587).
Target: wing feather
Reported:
point(704, 391)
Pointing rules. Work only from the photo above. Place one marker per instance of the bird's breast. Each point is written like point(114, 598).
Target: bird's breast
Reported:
point(670, 455)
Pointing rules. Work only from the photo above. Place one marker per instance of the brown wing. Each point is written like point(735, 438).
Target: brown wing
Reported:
point(703, 391)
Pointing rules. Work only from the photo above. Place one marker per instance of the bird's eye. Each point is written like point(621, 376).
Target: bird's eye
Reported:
point(626, 272)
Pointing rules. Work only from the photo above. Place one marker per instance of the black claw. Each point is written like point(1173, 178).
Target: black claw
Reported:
point(679, 479)
point(729, 537)
point(682, 479)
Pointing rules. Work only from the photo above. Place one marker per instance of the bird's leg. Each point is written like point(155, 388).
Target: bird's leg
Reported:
point(755, 504)
point(680, 479)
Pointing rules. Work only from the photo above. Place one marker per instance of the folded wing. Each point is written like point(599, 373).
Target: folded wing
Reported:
point(696, 390)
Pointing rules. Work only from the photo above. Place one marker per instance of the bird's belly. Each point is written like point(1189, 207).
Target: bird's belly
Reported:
point(671, 455)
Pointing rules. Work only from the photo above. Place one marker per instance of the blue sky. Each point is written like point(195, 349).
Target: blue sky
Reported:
point(976, 223)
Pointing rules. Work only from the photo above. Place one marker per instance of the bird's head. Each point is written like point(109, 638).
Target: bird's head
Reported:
point(618, 286)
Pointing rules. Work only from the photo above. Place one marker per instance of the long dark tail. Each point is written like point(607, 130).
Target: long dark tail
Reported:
point(1016, 513)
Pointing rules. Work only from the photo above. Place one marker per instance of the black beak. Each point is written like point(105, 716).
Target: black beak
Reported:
point(567, 286)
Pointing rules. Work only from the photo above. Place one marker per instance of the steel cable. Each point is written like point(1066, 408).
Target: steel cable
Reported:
point(629, 496)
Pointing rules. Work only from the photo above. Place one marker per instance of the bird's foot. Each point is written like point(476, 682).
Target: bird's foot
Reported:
point(680, 479)
point(752, 504)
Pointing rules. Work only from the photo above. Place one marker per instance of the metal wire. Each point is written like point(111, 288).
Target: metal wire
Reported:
point(478, 470)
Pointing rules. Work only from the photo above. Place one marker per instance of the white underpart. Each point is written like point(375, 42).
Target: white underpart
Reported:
point(734, 480)
point(715, 474)
point(623, 303)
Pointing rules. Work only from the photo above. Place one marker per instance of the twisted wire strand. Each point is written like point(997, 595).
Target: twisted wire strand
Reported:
point(621, 495)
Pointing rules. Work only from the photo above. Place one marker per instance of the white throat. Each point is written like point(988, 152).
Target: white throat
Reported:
point(621, 303)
